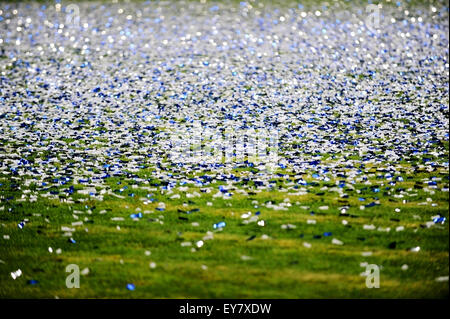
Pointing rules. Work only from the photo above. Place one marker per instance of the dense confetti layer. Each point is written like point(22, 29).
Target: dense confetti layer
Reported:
point(230, 143)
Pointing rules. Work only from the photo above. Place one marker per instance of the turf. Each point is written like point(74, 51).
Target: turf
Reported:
point(286, 257)
point(279, 267)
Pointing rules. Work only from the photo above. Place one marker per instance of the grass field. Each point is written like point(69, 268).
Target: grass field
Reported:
point(69, 180)
point(280, 266)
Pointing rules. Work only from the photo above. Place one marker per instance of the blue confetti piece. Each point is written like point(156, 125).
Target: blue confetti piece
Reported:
point(219, 225)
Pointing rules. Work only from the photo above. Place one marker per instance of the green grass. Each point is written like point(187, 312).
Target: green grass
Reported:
point(280, 267)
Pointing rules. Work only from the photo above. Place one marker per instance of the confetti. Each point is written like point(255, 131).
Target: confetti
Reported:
point(249, 111)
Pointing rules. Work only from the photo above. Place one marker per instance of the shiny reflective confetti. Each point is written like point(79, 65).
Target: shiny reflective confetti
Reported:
point(189, 128)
